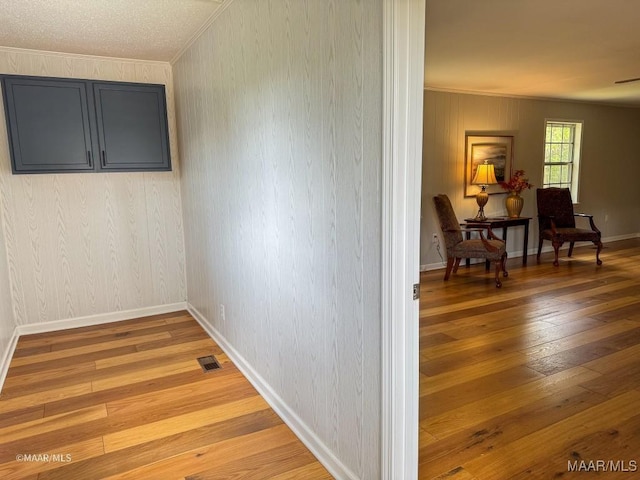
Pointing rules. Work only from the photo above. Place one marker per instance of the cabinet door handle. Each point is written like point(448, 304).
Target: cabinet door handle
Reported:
point(104, 158)
point(89, 158)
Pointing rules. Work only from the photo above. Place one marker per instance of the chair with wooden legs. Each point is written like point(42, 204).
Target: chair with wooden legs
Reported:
point(491, 248)
point(557, 222)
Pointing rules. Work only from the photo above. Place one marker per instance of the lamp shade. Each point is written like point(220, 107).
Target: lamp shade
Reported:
point(485, 175)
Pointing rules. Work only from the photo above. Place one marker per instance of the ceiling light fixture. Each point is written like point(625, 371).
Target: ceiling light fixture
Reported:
point(628, 80)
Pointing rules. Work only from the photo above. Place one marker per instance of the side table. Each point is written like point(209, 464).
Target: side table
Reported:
point(505, 223)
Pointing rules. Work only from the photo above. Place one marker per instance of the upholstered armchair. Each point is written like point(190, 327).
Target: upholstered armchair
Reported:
point(491, 248)
point(556, 222)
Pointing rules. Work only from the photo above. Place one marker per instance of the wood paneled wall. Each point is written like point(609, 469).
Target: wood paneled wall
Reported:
point(88, 243)
point(610, 152)
point(7, 323)
point(279, 113)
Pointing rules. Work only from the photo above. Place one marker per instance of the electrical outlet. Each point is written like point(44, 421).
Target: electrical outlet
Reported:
point(222, 312)
point(434, 239)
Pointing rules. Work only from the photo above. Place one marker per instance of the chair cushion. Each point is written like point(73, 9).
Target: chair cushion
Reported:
point(571, 235)
point(474, 248)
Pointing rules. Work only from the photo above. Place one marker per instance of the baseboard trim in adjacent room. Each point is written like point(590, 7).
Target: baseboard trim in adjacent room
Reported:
point(8, 355)
point(620, 237)
point(99, 319)
point(299, 427)
point(546, 247)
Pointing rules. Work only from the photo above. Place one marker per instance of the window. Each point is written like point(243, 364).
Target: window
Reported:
point(562, 155)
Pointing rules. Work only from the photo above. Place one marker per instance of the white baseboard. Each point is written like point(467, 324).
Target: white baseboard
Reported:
point(437, 266)
point(546, 247)
point(80, 322)
point(299, 427)
point(98, 319)
point(8, 355)
point(617, 238)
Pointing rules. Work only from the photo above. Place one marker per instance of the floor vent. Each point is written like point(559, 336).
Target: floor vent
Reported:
point(209, 363)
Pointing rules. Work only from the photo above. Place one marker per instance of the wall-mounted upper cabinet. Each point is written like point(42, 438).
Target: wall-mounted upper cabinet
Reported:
point(132, 126)
point(66, 125)
point(48, 125)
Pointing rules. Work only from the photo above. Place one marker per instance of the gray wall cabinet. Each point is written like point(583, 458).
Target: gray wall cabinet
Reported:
point(65, 125)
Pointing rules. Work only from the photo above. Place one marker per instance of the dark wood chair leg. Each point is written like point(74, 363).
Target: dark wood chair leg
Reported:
point(571, 248)
point(599, 245)
point(450, 261)
point(498, 264)
point(456, 264)
point(504, 265)
point(556, 247)
point(540, 240)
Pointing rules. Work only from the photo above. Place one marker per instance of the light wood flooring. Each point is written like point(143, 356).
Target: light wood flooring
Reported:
point(128, 400)
point(521, 382)
point(515, 383)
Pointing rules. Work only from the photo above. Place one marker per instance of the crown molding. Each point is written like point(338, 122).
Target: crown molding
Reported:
point(529, 97)
point(212, 18)
point(80, 56)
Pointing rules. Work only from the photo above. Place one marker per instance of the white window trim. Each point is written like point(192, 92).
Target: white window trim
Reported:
point(577, 153)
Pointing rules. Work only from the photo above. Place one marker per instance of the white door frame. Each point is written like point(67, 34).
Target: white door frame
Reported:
point(403, 57)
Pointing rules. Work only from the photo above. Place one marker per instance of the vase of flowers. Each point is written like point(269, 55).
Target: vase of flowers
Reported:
point(514, 202)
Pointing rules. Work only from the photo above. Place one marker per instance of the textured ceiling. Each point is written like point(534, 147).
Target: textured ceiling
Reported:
point(569, 49)
point(138, 29)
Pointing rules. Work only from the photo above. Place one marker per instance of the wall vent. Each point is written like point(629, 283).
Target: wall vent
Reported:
point(209, 363)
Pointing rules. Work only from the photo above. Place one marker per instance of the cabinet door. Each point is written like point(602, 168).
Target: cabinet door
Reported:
point(48, 125)
point(132, 127)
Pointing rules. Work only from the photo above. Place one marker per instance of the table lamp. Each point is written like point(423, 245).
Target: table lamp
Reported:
point(485, 175)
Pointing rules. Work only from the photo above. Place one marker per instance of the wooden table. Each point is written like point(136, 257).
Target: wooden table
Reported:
point(505, 223)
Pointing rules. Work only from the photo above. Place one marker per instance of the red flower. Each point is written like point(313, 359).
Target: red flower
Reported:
point(517, 183)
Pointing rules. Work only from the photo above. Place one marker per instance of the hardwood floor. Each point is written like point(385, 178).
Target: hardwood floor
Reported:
point(517, 382)
point(528, 380)
point(128, 400)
